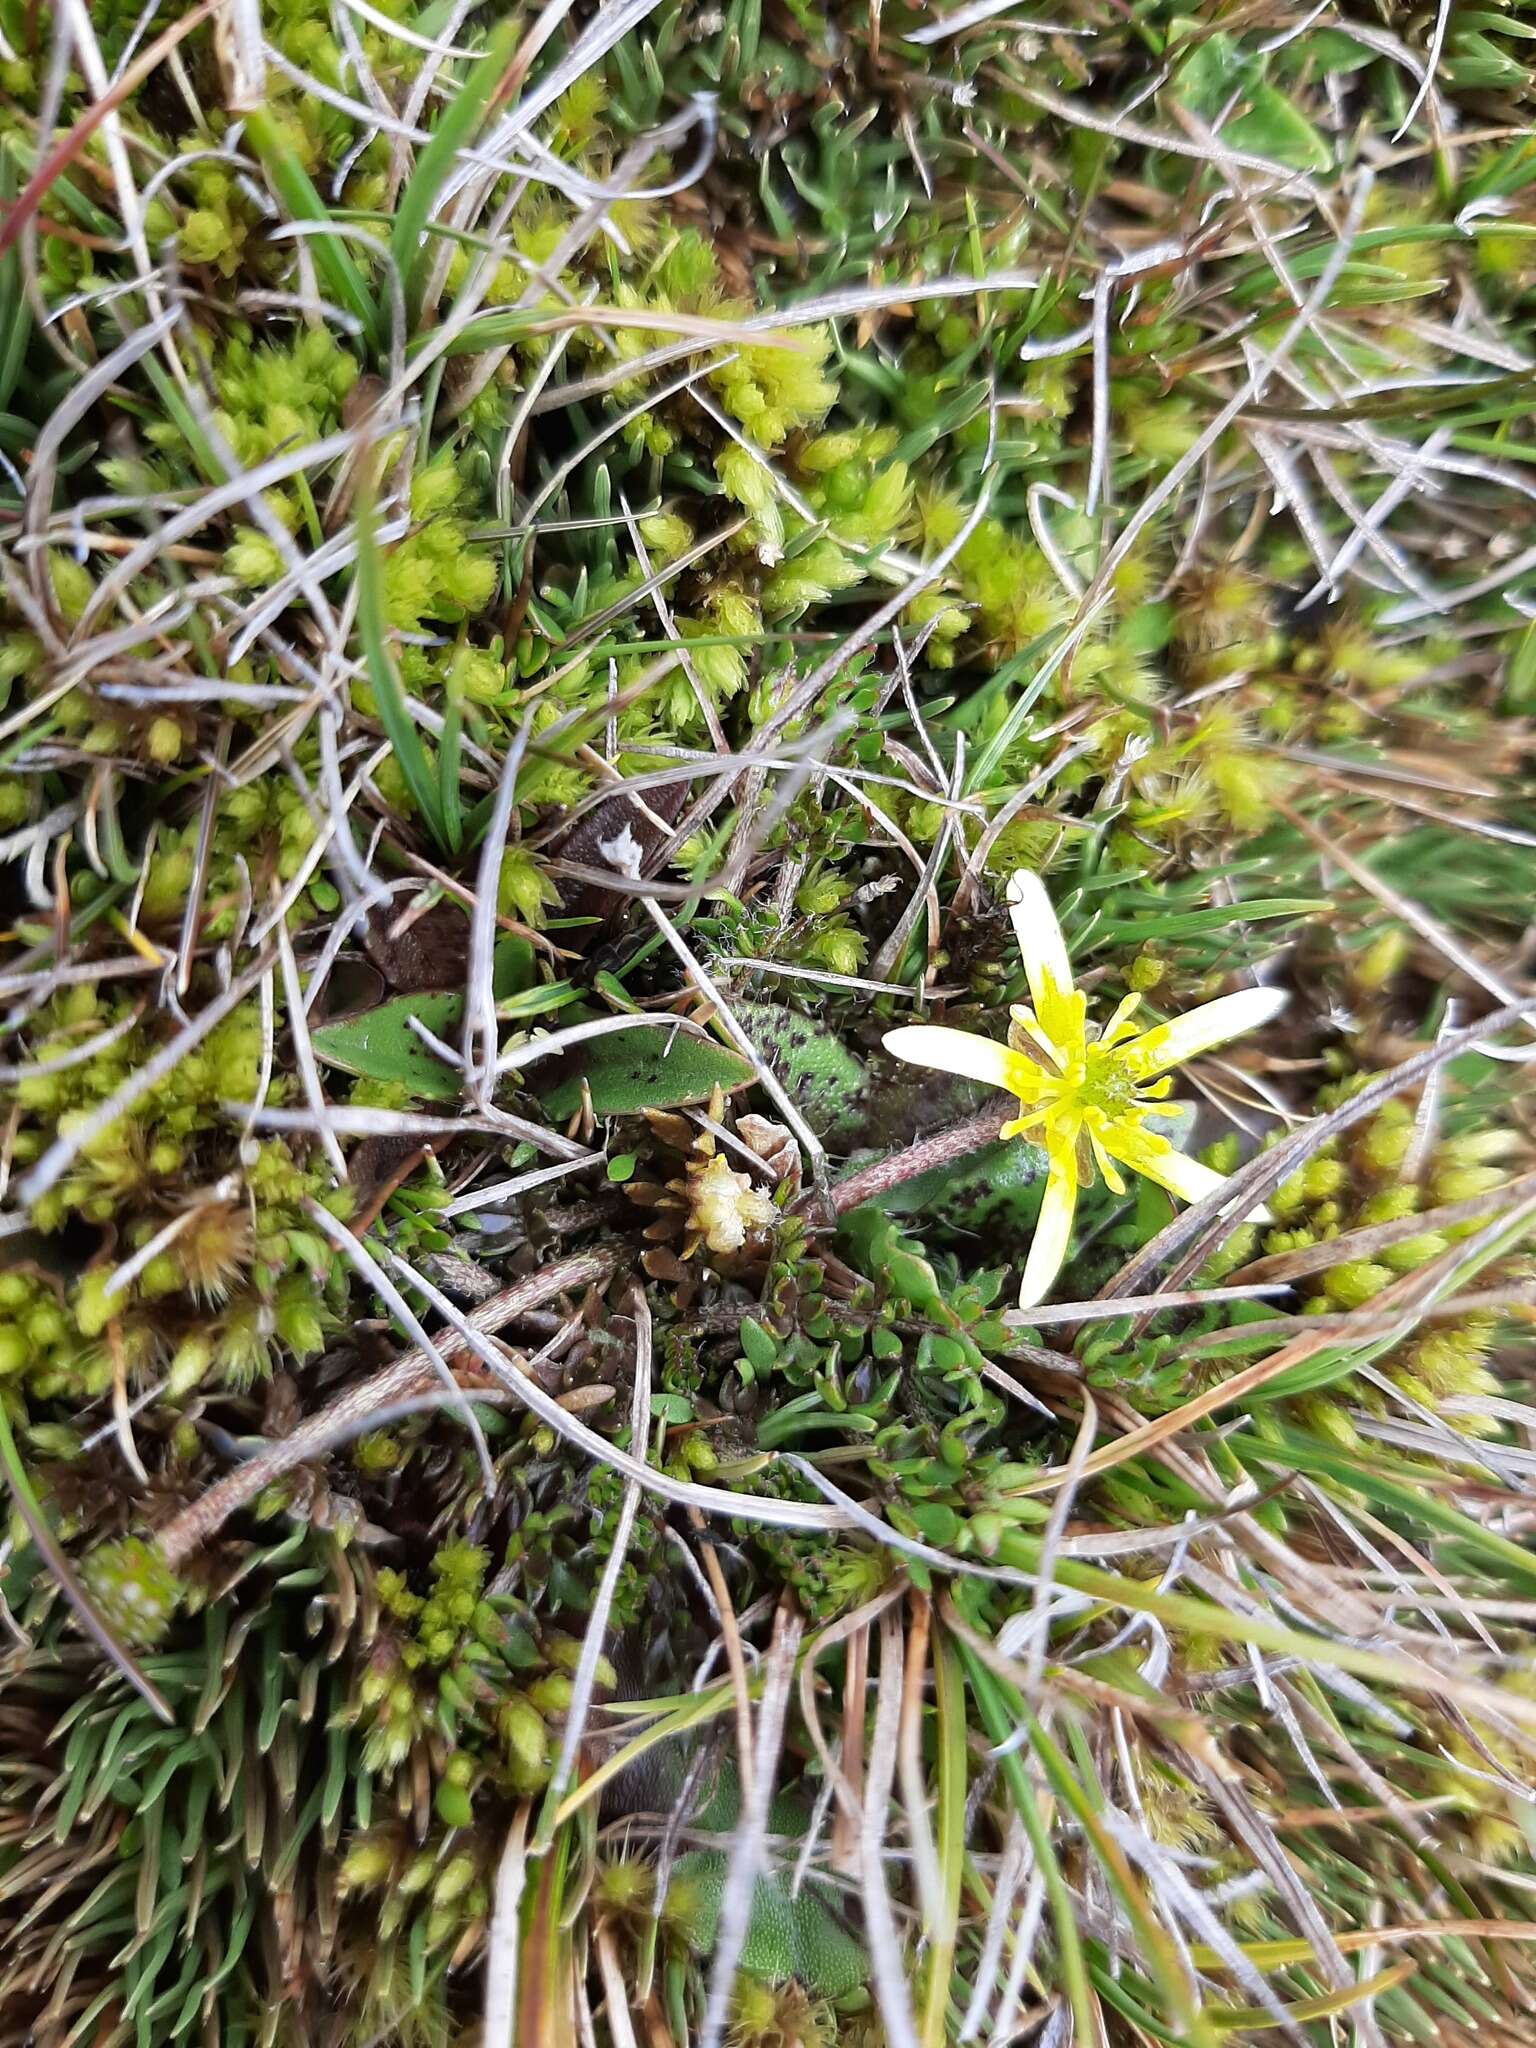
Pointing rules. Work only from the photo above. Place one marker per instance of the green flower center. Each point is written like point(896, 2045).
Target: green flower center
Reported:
point(1106, 1085)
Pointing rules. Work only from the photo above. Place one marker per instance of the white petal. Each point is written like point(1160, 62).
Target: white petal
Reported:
point(957, 1052)
point(1179, 1174)
point(1182, 1176)
point(1053, 1232)
point(1181, 1038)
point(1041, 945)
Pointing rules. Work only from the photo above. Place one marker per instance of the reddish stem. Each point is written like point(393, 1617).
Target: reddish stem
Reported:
point(941, 1150)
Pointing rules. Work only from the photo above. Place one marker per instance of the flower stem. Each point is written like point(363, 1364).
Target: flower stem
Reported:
point(943, 1149)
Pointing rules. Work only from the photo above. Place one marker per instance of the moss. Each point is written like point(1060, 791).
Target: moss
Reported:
point(771, 390)
point(1357, 1182)
point(375, 1683)
point(133, 1589)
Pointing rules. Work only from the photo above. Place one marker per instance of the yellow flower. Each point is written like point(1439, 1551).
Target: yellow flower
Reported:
point(1087, 1092)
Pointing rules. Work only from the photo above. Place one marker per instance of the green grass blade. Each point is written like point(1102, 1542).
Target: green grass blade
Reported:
point(461, 117)
point(450, 752)
point(15, 309)
point(1255, 2018)
point(1412, 1494)
point(394, 712)
point(1204, 1618)
point(293, 186)
point(949, 1815)
point(1074, 1968)
point(1192, 2024)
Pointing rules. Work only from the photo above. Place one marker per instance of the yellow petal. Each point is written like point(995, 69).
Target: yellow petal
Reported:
point(1028, 1122)
point(1053, 1232)
point(1041, 946)
point(1025, 1018)
point(1171, 1169)
point(1105, 1163)
point(962, 1052)
point(1170, 1044)
point(1119, 1026)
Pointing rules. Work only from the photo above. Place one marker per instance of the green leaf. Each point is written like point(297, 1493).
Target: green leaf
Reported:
point(449, 761)
point(1203, 78)
point(394, 712)
point(1520, 676)
point(894, 1261)
point(949, 1831)
point(380, 1045)
point(996, 1190)
point(1478, 65)
point(1147, 630)
point(827, 1081)
point(185, 421)
point(626, 1072)
point(1179, 924)
point(1497, 25)
point(514, 967)
point(631, 1071)
point(1001, 1726)
point(758, 1346)
point(931, 1520)
point(1273, 128)
point(15, 310)
point(1331, 50)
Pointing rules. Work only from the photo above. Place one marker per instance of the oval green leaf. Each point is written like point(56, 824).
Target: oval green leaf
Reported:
point(379, 1045)
point(631, 1071)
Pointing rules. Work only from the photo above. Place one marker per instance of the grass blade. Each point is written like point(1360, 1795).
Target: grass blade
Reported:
point(1074, 1967)
point(15, 312)
point(409, 243)
point(394, 712)
point(294, 187)
point(949, 1704)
